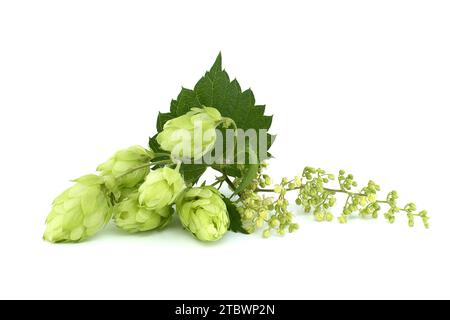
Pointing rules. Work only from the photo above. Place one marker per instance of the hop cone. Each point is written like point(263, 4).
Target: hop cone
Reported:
point(161, 188)
point(115, 169)
point(79, 212)
point(130, 216)
point(203, 212)
point(191, 135)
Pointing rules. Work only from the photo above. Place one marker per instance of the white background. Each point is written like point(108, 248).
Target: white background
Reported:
point(362, 85)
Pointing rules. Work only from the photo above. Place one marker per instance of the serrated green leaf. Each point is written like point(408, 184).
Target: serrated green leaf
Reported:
point(217, 66)
point(192, 172)
point(162, 119)
point(215, 89)
point(250, 173)
point(154, 145)
point(185, 101)
point(231, 170)
point(235, 217)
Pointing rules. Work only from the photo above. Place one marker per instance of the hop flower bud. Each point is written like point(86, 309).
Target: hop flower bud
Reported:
point(274, 222)
point(161, 188)
point(320, 216)
point(259, 222)
point(132, 217)
point(203, 212)
point(293, 227)
point(278, 188)
point(79, 212)
point(342, 219)
point(191, 135)
point(372, 198)
point(114, 170)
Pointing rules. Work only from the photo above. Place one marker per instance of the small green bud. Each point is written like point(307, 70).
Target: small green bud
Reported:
point(411, 222)
point(266, 233)
point(250, 229)
point(248, 214)
point(274, 222)
point(320, 216)
point(259, 222)
point(329, 217)
point(267, 201)
point(332, 202)
point(278, 188)
point(263, 214)
point(293, 227)
point(342, 219)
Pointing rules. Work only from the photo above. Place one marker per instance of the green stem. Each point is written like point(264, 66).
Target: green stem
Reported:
point(144, 166)
point(326, 189)
point(162, 154)
point(226, 120)
point(229, 182)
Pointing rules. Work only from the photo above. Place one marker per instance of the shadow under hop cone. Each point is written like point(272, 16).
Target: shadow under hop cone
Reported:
point(79, 212)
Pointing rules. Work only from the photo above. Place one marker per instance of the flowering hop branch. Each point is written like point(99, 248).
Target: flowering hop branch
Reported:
point(216, 125)
point(315, 193)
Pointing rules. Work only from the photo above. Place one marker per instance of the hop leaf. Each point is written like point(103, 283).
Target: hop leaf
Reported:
point(215, 89)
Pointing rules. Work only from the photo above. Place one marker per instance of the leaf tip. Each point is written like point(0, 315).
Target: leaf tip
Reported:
point(217, 66)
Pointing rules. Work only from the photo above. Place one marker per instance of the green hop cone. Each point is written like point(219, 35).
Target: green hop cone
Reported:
point(130, 216)
point(79, 212)
point(203, 212)
point(160, 189)
point(115, 169)
point(191, 135)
